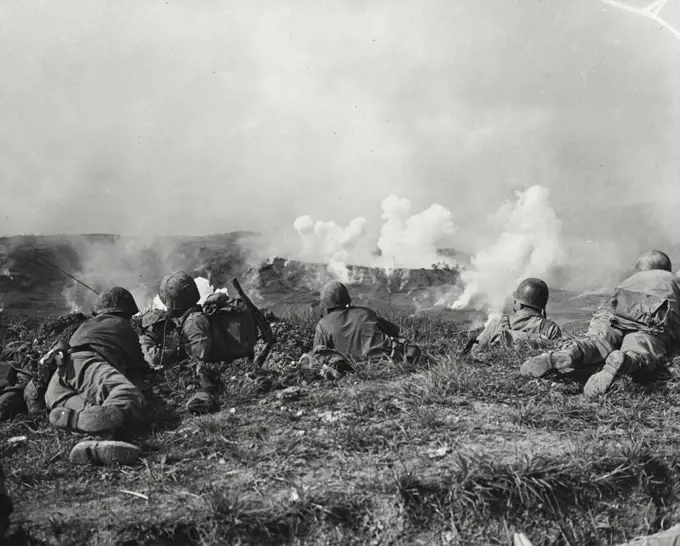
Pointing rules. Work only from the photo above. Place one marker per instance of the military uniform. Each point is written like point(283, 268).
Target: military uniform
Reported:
point(179, 293)
point(527, 323)
point(106, 349)
point(18, 380)
point(158, 342)
point(11, 391)
point(639, 328)
point(642, 321)
point(358, 332)
point(90, 391)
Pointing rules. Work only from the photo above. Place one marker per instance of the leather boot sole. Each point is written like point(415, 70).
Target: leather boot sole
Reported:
point(602, 380)
point(106, 452)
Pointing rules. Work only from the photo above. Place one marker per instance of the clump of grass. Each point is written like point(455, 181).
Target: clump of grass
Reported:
point(542, 488)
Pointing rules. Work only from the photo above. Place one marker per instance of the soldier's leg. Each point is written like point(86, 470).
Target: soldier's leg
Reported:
point(205, 400)
point(11, 402)
point(103, 385)
point(643, 353)
point(105, 398)
point(586, 352)
point(60, 395)
point(639, 355)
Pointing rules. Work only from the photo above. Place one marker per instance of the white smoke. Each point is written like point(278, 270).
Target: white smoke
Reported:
point(330, 243)
point(412, 241)
point(528, 246)
point(405, 241)
point(7, 273)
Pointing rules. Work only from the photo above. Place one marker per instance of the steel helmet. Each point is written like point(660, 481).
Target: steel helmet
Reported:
point(532, 293)
point(653, 259)
point(334, 294)
point(178, 291)
point(116, 300)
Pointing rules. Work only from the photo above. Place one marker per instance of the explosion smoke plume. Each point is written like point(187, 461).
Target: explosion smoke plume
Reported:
point(405, 241)
point(528, 246)
point(412, 241)
point(330, 242)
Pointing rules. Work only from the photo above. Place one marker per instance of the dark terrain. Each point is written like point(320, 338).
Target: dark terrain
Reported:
point(449, 452)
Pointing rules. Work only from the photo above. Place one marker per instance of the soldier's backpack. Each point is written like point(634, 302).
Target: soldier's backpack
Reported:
point(233, 327)
point(235, 324)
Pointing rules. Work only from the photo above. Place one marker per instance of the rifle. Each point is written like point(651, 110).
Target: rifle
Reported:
point(136, 322)
point(262, 324)
point(470, 344)
point(67, 274)
point(468, 347)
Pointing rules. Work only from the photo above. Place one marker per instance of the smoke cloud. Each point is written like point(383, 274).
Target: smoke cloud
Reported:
point(405, 241)
point(412, 241)
point(330, 243)
point(528, 246)
point(170, 118)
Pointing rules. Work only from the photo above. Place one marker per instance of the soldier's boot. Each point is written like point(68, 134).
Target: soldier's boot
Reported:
point(99, 420)
point(34, 396)
point(205, 399)
point(616, 364)
point(562, 361)
point(106, 452)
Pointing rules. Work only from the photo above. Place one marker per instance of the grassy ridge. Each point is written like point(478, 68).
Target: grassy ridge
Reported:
point(451, 452)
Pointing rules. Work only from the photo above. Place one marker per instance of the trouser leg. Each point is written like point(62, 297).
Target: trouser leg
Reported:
point(643, 353)
point(92, 396)
point(11, 402)
point(600, 340)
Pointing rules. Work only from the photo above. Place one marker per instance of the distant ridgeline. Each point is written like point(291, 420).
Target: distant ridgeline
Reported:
point(29, 285)
point(281, 276)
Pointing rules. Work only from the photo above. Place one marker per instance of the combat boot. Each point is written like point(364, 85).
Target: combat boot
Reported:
point(34, 396)
point(617, 363)
point(106, 452)
point(563, 361)
point(205, 400)
point(99, 420)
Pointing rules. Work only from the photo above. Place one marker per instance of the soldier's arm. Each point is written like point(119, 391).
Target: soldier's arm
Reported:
point(196, 337)
point(553, 332)
point(487, 337)
point(151, 351)
point(321, 338)
point(388, 327)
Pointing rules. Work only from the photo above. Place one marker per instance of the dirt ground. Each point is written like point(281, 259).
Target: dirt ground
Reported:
point(449, 452)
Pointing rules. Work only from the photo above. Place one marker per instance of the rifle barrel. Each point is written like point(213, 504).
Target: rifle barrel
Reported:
point(67, 274)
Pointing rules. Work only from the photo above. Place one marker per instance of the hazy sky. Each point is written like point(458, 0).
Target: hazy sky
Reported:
point(206, 116)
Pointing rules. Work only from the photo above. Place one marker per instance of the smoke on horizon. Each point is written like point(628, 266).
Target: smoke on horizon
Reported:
point(156, 118)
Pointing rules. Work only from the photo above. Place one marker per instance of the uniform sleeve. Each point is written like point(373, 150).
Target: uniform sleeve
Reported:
point(488, 336)
point(553, 331)
point(133, 353)
point(321, 337)
point(388, 327)
point(196, 337)
point(150, 350)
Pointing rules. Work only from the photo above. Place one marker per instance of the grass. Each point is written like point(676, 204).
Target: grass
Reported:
point(447, 452)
